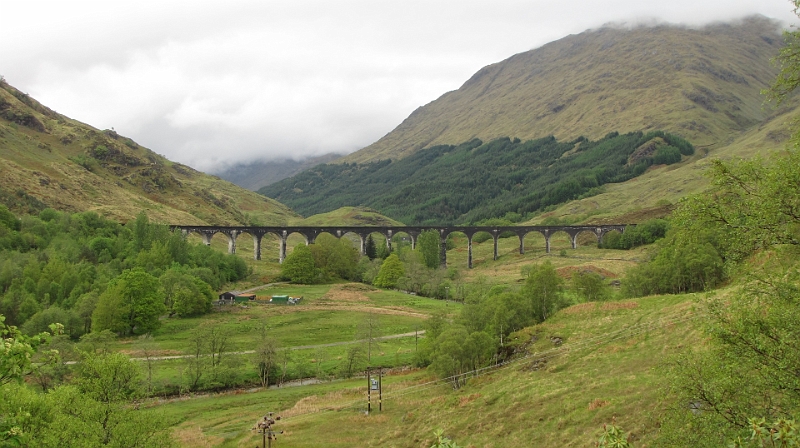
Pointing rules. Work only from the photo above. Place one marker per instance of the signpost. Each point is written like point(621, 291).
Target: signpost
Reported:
point(374, 384)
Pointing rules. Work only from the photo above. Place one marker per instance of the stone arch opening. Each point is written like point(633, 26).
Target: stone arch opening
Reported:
point(457, 247)
point(403, 241)
point(379, 240)
point(481, 248)
point(586, 237)
point(534, 242)
point(244, 248)
point(271, 246)
point(609, 237)
point(560, 239)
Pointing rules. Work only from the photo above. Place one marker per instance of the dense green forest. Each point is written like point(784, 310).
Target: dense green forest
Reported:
point(91, 273)
point(476, 180)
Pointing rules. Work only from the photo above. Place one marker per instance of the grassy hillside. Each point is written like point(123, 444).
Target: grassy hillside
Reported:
point(349, 216)
point(702, 84)
point(49, 160)
point(654, 193)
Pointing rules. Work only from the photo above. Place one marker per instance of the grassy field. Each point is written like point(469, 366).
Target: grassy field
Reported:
point(317, 331)
point(609, 365)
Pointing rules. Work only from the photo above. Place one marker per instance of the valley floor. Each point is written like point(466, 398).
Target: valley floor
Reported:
point(585, 366)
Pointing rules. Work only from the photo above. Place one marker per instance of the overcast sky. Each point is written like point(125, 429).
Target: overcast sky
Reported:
point(214, 83)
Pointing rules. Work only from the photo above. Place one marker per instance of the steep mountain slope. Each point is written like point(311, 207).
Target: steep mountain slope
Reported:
point(703, 84)
point(49, 160)
point(260, 174)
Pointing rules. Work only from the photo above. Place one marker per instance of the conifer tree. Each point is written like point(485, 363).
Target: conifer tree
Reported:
point(370, 249)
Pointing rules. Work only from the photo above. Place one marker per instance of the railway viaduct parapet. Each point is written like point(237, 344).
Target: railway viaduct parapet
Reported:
point(310, 233)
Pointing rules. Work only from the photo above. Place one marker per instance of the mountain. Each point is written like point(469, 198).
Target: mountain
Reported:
point(260, 174)
point(50, 160)
point(702, 84)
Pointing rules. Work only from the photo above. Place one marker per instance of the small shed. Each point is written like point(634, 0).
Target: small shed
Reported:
point(279, 300)
point(244, 298)
point(284, 300)
point(235, 297)
point(228, 296)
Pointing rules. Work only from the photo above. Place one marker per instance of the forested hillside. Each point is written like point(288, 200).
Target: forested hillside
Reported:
point(93, 274)
point(476, 180)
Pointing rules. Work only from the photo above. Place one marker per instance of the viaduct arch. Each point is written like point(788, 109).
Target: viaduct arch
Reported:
point(310, 233)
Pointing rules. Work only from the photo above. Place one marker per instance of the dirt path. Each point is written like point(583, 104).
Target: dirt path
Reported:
point(256, 288)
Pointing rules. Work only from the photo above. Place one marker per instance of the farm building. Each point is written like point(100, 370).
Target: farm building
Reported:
point(235, 297)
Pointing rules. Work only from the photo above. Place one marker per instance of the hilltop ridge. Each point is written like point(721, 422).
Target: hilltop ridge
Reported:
point(703, 84)
point(50, 160)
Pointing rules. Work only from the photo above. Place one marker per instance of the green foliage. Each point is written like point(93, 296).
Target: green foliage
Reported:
point(750, 367)
point(752, 205)
point(544, 291)
point(498, 313)
point(299, 266)
point(442, 441)
point(685, 261)
point(613, 437)
point(335, 258)
point(372, 252)
point(354, 359)
point(590, 286)
point(647, 232)
point(8, 220)
point(456, 353)
point(391, 271)
point(667, 155)
point(428, 244)
point(184, 294)
point(95, 413)
point(67, 261)
point(16, 352)
point(41, 321)
point(781, 433)
point(132, 304)
point(108, 377)
point(87, 162)
point(475, 180)
point(789, 63)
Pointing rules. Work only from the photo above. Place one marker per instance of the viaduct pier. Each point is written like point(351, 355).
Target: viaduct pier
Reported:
point(310, 233)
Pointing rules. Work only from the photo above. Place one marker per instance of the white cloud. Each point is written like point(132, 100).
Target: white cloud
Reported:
point(211, 83)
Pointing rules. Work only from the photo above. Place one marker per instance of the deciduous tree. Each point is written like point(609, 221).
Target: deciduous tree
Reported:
point(391, 271)
point(544, 291)
point(132, 303)
point(299, 266)
point(428, 244)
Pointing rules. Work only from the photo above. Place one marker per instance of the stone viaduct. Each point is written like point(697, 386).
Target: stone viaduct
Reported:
point(312, 232)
